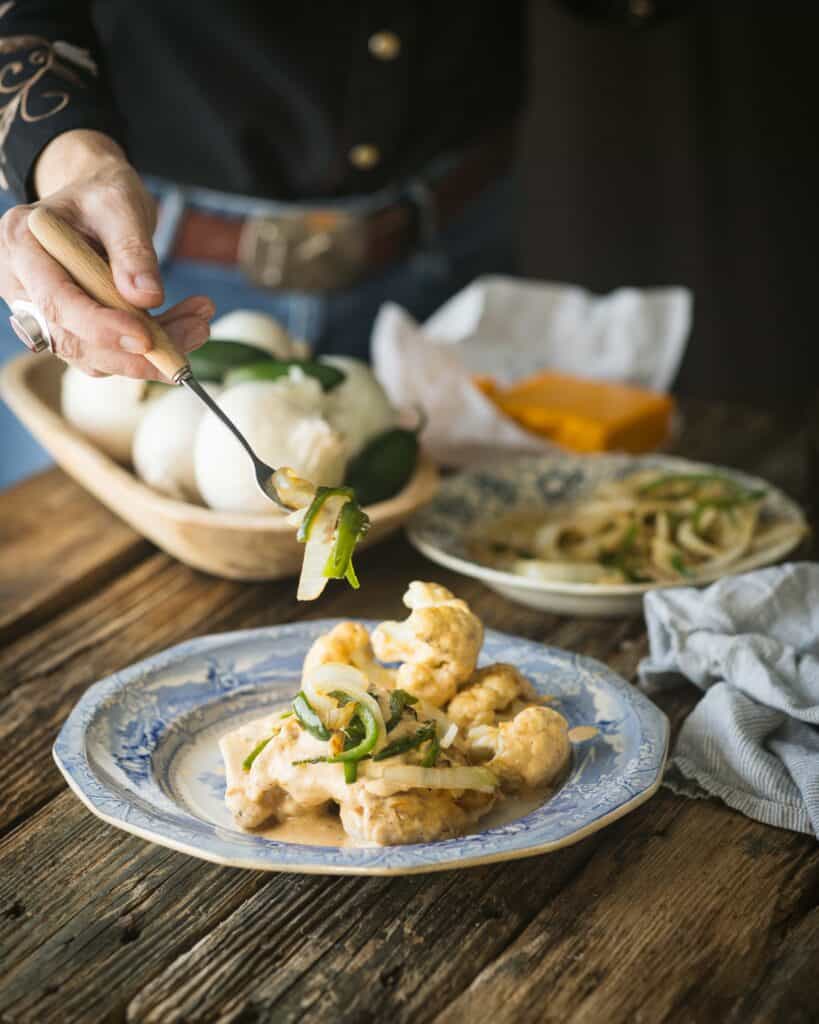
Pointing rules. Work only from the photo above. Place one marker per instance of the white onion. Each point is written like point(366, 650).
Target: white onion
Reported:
point(558, 572)
point(282, 421)
point(319, 682)
point(460, 777)
point(106, 410)
point(163, 443)
point(449, 736)
point(358, 407)
point(254, 327)
point(318, 548)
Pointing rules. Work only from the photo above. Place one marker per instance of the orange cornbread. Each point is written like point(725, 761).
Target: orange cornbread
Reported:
point(585, 415)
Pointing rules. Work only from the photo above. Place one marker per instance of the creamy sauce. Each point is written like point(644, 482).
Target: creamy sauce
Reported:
point(321, 829)
point(581, 733)
point(325, 829)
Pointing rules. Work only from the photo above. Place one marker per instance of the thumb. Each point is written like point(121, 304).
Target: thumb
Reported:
point(124, 231)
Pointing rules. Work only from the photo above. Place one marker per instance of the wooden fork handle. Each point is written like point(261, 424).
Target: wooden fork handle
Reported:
point(65, 245)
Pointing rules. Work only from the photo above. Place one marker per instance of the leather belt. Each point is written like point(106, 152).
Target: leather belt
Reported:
point(327, 249)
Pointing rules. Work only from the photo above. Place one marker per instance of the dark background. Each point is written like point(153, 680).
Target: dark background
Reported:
point(685, 152)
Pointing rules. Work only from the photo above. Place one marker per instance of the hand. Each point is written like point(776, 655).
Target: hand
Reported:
point(84, 178)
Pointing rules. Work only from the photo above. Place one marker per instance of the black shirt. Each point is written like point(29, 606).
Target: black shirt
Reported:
point(302, 99)
point(289, 100)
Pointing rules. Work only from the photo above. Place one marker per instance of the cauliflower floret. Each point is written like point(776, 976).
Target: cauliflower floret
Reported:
point(414, 816)
point(492, 689)
point(349, 643)
point(532, 749)
point(438, 643)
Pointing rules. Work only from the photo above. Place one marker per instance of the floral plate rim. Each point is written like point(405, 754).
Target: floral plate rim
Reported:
point(204, 839)
point(426, 536)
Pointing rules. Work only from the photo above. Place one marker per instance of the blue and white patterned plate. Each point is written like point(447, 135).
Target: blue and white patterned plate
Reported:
point(140, 750)
point(468, 501)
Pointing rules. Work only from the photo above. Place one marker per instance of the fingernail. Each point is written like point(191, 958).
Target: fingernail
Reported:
point(147, 283)
point(136, 345)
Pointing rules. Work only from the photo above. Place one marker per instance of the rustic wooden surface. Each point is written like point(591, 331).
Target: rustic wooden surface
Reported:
point(682, 911)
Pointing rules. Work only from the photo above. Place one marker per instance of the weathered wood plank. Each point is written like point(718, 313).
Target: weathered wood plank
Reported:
point(707, 914)
point(57, 544)
point(400, 935)
point(79, 942)
point(685, 910)
point(157, 604)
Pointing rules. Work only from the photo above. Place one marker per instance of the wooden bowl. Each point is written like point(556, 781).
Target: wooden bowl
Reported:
point(244, 547)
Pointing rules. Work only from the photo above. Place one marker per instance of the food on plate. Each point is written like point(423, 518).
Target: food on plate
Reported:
point(163, 446)
point(358, 408)
point(106, 410)
point(397, 766)
point(648, 527)
point(438, 644)
point(259, 329)
point(349, 643)
point(282, 421)
point(585, 415)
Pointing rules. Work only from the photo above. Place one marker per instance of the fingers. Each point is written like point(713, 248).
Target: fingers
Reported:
point(61, 301)
point(118, 213)
point(98, 340)
point(100, 362)
point(188, 322)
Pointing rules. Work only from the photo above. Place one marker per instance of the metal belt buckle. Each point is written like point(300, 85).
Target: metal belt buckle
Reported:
point(312, 251)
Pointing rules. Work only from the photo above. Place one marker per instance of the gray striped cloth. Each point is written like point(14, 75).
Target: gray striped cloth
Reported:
point(751, 643)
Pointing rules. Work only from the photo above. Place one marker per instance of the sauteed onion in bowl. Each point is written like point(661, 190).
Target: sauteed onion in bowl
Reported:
point(648, 527)
point(589, 535)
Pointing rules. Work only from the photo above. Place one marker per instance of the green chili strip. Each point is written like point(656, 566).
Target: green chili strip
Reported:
point(693, 479)
point(308, 719)
point(322, 494)
point(679, 565)
point(616, 559)
point(340, 697)
point(367, 743)
point(401, 746)
point(254, 753)
point(350, 757)
point(353, 523)
point(433, 750)
point(399, 699)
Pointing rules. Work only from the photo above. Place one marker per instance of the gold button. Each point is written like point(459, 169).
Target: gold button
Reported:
point(364, 156)
point(384, 45)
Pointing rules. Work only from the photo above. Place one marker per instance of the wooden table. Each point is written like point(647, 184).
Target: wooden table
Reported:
point(684, 910)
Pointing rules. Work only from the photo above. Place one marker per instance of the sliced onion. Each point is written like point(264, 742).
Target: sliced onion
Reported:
point(427, 711)
point(559, 572)
point(333, 675)
point(688, 538)
point(292, 490)
point(317, 549)
point(449, 736)
point(461, 777)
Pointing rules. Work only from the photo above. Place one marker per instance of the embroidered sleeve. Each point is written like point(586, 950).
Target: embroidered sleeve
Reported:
point(50, 82)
